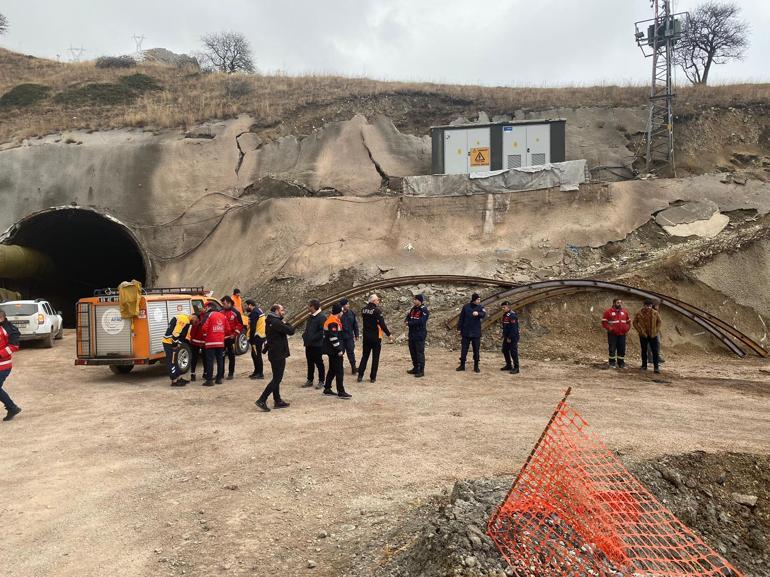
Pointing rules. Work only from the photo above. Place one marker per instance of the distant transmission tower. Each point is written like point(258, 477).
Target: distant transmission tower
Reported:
point(76, 53)
point(138, 42)
point(657, 38)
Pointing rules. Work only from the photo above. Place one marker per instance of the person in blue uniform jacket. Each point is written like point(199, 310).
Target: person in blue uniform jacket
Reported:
point(510, 325)
point(469, 325)
point(417, 323)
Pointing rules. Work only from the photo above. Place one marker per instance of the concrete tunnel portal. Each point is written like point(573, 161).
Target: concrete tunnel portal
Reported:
point(89, 250)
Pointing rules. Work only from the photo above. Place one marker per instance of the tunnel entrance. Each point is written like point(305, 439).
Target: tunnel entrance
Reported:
point(89, 251)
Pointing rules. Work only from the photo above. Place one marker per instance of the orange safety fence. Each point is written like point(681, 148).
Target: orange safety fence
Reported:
point(575, 511)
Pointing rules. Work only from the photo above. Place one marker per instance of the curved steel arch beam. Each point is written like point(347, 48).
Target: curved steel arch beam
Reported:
point(372, 286)
point(710, 323)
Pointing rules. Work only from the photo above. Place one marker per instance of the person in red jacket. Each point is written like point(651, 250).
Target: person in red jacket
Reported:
point(9, 344)
point(233, 316)
point(198, 344)
point(617, 322)
point(214, 331)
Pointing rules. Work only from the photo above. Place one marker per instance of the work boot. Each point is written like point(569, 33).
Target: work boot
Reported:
point(506, 368)
point(192, 377)
point(12, 412)
point(179, 383)
point(353, 369)
point(280, 404)
point(621, 364)
point(218, 381)
point(320, 385)
point(421, 373)
point(657, 370)
point(515, 371)
point(262, 405)
point(255, 376)
point(207, 383)
point(360, 378)
point(372, 380)
point(308, 383)
point(329, 392)
point(461, 367)
point(230, 377)
point(412, 371)
point(476, 368)
point(344, 395)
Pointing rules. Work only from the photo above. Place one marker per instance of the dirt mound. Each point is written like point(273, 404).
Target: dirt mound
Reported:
point(725, 498)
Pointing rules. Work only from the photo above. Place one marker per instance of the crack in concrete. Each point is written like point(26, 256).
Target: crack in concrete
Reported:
point(384, 177)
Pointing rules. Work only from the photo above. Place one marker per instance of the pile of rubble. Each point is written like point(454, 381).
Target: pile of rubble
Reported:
point(725, 498)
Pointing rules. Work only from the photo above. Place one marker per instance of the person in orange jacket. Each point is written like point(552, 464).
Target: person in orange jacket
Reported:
point(214, 330)
point(237, 301)
point(617, 322)
point(235, 323)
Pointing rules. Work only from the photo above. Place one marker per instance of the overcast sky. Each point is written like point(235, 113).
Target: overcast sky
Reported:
point(496, 42)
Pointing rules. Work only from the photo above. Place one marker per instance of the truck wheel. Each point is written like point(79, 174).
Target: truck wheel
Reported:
point(48, 340)
point(242, 344)
point(121, 369)
point(183, 357)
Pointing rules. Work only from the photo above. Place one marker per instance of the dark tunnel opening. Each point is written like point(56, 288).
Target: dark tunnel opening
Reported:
point(89, 251)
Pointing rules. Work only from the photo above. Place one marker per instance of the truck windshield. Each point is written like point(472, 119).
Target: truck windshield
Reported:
point(19, 309)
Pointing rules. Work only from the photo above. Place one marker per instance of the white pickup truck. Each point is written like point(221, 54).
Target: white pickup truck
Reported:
point(36, 320)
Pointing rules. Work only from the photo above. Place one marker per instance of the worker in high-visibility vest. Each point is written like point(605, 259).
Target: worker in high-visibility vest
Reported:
point(256, 333)
point(237, 301)
point(176, 334)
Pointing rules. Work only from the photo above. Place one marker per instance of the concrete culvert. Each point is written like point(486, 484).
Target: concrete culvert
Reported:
point(89, 250)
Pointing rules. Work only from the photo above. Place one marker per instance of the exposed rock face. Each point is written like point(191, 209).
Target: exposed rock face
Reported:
point(697, 218)
point(165, 56)
point(352, 157)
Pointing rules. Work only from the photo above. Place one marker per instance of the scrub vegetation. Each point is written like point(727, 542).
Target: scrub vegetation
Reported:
point(84, 96)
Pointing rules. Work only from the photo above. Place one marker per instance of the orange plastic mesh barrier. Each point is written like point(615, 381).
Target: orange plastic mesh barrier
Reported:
point(575, 511)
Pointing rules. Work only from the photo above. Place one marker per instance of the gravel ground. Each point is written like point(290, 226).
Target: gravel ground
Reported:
point(106, 475)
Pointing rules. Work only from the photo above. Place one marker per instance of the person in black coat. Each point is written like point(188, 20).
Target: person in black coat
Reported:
point(374, 328)
point(313, 339)
point(335, 350)
point(510, 325)
point(349, 333)
point(277, 332)
point(417, 323)
point(469, 325)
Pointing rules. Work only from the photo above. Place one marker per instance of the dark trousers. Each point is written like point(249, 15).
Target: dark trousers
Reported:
point(256, 355)
point(315, 360)
point(467, 342)
point(617, 348)
point(278, 367)
point(511, 353)
point(417, 352)
point(372, 347)
point(173, 368)
point(230, 353)
point(650, 344)
point(212, 356)
point(350, 350)
point(336, 373)
point(195, 354)
point(5, 398)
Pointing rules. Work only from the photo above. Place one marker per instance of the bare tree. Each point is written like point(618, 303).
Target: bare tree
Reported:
point(227, 52)
point(713, 34)
point(3, 24)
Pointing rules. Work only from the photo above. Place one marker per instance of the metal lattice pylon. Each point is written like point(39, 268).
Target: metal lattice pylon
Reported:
point(657, 42)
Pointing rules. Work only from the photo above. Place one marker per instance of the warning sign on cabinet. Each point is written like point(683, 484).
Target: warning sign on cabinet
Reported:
point(479, 156)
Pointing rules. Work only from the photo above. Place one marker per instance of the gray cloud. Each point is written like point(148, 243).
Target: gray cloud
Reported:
point(493, 42)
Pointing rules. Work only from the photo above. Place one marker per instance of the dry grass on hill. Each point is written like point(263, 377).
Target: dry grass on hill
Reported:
point(81, 96)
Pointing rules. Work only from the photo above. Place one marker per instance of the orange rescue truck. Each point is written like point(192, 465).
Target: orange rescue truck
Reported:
point(105, 338)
